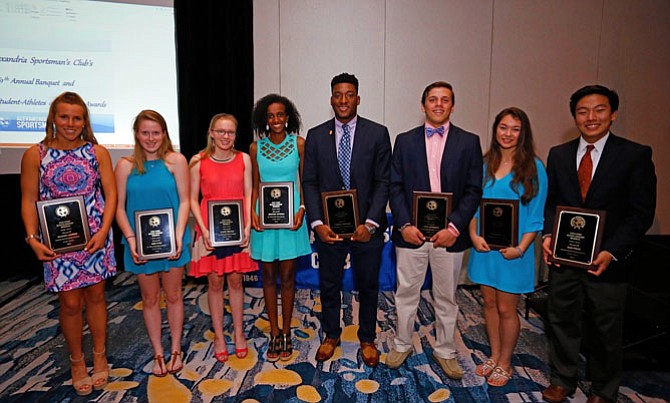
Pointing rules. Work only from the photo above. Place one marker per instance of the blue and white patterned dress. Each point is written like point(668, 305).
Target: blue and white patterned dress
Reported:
point(65, 173)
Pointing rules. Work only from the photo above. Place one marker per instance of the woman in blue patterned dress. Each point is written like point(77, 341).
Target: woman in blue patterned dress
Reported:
point(511, 171)
point(156, 177)
point(278, 157)
point(69, 162)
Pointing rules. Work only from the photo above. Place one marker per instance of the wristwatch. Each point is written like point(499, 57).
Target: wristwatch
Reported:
point(371, 228)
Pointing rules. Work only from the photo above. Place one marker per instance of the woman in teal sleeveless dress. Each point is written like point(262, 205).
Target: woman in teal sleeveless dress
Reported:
point(277, 157)
point(156, 177)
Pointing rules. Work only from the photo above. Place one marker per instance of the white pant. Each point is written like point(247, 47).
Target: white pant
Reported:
point(412, 265)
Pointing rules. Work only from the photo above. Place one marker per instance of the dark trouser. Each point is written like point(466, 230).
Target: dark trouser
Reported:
point(365, 259)
point(573, 293)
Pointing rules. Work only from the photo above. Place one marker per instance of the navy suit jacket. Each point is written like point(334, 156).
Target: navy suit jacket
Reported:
point(460, 174)
point(623, 185)
point(370, 160)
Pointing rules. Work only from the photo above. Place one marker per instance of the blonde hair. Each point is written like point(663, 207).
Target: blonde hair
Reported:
point(71, 98)
point(209, 149)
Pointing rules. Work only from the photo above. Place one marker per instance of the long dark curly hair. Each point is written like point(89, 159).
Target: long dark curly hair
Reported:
point(259, 118)
point(524, 170)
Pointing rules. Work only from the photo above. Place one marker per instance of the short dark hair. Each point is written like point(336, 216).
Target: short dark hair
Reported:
point(344, 78)
point(436, 84)
point(611, 95)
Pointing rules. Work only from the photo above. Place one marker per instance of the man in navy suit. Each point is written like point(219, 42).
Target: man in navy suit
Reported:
point(437, 156)
point(348, 152)
point(597, 171)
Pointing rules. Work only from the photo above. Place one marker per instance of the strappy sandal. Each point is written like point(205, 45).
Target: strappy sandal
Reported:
point(274, 348)
point(499, 377)
point(83, 386)
point(100, 378)
point(160, 360)
point(173, 359)
point(485, 368)
point(286, 347)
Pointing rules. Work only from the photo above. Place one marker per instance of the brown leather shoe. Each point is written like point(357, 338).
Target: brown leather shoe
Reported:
point(369, 353)
point(555, 394)
point(596, 399)
point(327, 348)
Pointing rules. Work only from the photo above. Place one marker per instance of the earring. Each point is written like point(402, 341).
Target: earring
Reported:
point(267, 128)
point(286, 124)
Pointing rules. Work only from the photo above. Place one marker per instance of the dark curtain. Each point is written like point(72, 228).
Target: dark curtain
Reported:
point(215, 68)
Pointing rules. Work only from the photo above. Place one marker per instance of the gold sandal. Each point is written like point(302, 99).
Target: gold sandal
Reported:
point(485, 368)
point(499, 377)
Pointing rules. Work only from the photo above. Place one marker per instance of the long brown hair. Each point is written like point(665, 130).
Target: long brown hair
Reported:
point(71, 98)
point(166, 146)
point(524, 170)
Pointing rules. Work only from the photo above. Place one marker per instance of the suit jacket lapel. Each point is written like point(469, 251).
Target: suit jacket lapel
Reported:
point(357, 148)
point(608, 157)
point(420, 152)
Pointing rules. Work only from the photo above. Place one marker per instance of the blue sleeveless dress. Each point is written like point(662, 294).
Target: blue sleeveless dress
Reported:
point(280, 163)
point(155, 189)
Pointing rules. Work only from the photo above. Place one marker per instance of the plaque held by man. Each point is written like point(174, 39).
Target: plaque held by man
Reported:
point(276, 205)
point(577, 236)
point(430, 211)
point(64, 223)
point(499, 222)
point(340, 211)
point(226, 222)
point(155, 233)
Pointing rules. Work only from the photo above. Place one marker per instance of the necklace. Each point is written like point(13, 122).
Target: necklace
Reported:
point(222, 159)
point(506, 162)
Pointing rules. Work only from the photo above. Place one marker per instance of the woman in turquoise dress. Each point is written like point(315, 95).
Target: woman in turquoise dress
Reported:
point(277, 157)
point(511, 171)
point(156, 177)
point(70, 162)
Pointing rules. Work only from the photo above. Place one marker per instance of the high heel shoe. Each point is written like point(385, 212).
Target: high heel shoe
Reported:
point(241, 352)
point(274, 348)
point(221, 356)
point(100, 378)
point(286, 347)
point(173, 359)
point(160, 360)
point(83, 386)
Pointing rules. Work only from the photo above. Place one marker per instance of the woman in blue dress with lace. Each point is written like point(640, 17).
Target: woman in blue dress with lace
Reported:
point(511, 171)
point(69, 162)
point(277, 157)
point(156, 177)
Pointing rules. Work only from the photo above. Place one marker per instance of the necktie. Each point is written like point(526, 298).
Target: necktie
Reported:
point(585, 170)
point(344, 155)
point(430, 131)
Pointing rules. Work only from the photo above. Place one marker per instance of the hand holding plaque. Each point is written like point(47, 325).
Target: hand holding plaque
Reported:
point(64, 223)
point(499, 222)
point(430, 212)
point(155, 233)
point(577, 236)
point(340, 211)
point(226, 222)
point(276, 205)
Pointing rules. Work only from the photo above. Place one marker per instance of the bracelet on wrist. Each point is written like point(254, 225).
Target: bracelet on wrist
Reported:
point(31, 236)
point(130, 236)
point(302, 206)
point(520, 251)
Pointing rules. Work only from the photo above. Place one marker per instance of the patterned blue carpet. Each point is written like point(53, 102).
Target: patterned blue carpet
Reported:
point(34, 361)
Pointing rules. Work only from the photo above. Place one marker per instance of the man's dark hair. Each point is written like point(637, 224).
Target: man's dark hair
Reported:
point(437, 84)
point(344, 78)
point(611, 95)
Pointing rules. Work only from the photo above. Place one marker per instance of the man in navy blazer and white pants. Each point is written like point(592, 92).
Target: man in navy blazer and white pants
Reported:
point(434, 157)
point(369, 147)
